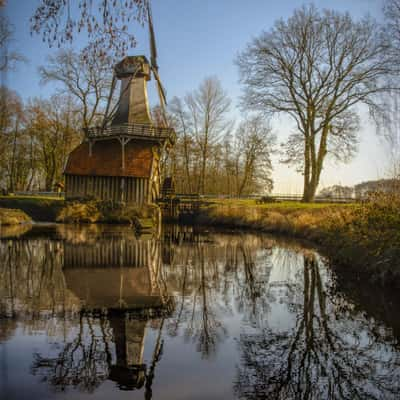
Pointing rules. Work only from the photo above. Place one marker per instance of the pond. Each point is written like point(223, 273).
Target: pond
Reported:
point(95, 312)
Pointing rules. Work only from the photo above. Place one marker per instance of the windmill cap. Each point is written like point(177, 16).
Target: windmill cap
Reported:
point(133, 65)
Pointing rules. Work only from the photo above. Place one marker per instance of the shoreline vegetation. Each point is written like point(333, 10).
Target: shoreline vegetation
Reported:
point(10, 217)
point(53, 209)
point(361, 239)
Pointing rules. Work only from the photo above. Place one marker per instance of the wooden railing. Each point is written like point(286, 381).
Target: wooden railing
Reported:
point(276, 197)
point(129, 130)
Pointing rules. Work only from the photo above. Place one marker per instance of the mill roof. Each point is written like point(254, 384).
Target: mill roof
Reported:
point(106, 159)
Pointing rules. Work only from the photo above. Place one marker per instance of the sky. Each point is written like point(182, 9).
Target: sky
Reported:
point(201, 38)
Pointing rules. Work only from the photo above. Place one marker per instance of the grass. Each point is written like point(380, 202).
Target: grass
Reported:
point(281, 205)
point(13, 217)
point(294, 218)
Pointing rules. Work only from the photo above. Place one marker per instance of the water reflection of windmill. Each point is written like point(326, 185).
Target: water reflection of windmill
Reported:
point(121, 278)
point(116, 273)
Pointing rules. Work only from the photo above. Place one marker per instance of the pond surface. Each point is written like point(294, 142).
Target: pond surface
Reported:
point(96, 313)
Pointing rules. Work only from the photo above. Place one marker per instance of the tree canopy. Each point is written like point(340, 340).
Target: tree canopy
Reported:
point(316, 67)
point(105, 22)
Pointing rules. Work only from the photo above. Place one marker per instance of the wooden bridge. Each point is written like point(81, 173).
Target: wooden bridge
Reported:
point(180, 205)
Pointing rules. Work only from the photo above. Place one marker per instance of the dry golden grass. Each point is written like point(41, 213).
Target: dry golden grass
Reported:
point(95, 211)
point(13, 217)
point(76, 212)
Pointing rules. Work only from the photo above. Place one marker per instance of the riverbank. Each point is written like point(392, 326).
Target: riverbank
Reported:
point(363, 240)
point(39, 208)
point(54, 209)
point(11, 217)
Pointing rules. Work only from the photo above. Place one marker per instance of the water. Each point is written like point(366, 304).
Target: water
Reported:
point(94, 312)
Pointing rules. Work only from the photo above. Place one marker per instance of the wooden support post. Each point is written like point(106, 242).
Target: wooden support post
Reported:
point(123, 154)
point(123, 142)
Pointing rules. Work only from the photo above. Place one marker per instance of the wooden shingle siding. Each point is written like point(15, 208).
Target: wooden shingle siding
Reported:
point(106, 159)
point(135, 190)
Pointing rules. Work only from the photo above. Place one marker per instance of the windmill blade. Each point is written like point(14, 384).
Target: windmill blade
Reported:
point(160, 87)
point(154, 65)
point(109, 99)
point(153, 47)
point(162, 97)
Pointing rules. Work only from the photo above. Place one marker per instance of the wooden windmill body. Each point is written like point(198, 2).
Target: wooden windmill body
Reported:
point(120, 160)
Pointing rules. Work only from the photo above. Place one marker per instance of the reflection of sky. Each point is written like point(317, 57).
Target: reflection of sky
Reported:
point(283, 284)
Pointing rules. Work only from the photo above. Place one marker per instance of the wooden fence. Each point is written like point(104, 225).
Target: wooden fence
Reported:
point(196, 197)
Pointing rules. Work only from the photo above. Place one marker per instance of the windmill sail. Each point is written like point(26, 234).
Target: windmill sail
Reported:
point(153, 47)
point(109, 99)
point(154, 65)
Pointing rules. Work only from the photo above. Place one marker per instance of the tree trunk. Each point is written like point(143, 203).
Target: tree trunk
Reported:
point(203, 173)
point(307, 171)
point(313, 167)
point(13, 157)
point(187, 163)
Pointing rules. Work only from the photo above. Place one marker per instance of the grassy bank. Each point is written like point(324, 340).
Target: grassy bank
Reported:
point(53, 209)
point(363, 239)
point(39, 208)
point(10, 217)
point(143, 218)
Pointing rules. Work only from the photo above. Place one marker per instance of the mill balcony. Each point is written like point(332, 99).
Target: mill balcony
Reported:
point(131, 131)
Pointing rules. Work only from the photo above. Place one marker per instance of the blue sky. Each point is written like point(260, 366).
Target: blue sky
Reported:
point(199, 38)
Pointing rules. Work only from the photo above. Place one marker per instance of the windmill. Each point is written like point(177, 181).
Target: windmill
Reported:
point(153, 65)
point(121, 159)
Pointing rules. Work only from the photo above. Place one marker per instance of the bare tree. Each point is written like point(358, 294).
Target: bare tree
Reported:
point(208, 107)
point(391, 29)
point(8, 58)
point(315, 67)
point(254, 142)
point(104, 22)
point(181, 123)
point(387, 116)
point(210, 156)
point(88, 79)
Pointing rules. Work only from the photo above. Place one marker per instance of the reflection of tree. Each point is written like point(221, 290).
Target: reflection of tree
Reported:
point(203, 323)
point(31, 279)
point(205, 275)
point(322, 358)
point(196, 278)
point(251, 281)
point(84, 360)
point(87, 358)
